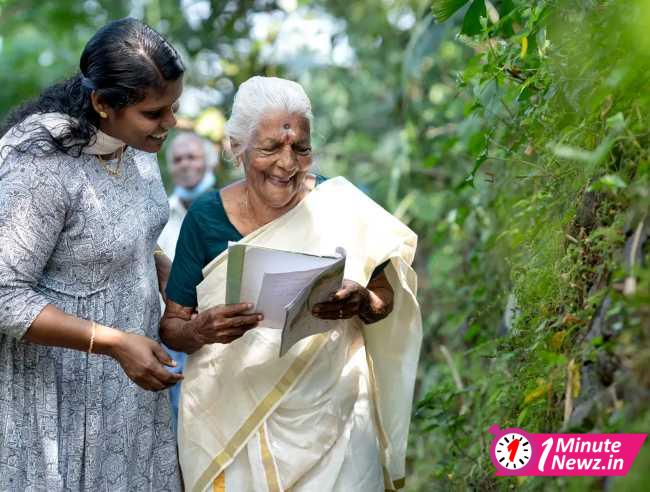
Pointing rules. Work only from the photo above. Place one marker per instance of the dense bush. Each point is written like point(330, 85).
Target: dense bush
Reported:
point(538, 288)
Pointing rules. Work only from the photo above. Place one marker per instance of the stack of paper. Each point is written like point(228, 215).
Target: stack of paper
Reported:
point(284, 286)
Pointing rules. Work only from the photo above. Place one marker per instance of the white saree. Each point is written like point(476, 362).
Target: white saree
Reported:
point(333, 413)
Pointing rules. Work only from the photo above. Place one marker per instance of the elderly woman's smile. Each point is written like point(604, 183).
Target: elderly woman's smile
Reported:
point(278, 158)
point(281, 182)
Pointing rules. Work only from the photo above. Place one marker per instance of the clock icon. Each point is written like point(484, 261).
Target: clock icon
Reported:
point(513, 451)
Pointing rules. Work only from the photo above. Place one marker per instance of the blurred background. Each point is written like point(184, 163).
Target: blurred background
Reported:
point(511, 135)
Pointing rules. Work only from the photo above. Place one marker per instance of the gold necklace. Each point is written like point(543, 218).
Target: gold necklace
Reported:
point(113, 172)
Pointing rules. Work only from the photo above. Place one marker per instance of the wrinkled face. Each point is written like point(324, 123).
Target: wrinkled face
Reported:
point(278, 158)
point(187, 166)
point(144, 125)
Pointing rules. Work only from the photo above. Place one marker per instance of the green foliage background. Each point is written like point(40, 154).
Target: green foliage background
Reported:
point(512, 136)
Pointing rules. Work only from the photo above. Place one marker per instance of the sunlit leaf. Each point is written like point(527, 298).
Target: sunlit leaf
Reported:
point(557, 339)
point(537, 393)
point(616, 122)
point(492, 12)
point(524, 47)
point(609, 182)
point(593, 157)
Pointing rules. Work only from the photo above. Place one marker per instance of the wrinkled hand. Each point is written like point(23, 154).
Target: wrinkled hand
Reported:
point(143, 361)
point(352, 299)
point(222, 324)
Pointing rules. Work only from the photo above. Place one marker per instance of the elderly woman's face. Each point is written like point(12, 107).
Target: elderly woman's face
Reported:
point(278, 157)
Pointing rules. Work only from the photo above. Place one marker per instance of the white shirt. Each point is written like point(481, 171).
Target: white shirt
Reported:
point(169, 235)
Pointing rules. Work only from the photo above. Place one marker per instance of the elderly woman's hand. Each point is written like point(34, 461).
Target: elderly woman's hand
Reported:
point(371, 304)
point(222, 324)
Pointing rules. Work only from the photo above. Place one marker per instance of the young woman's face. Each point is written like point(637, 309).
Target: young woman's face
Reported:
point(144, 125)
point(278, 158)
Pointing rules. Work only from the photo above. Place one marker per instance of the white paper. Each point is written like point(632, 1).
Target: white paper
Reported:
point(277, 292)
point(286, 285)
point(261, 261)
point(299, 321)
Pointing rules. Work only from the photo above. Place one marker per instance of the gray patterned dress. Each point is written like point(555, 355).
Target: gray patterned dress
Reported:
point(76, 237)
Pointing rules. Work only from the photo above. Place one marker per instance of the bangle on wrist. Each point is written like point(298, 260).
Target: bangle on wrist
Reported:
point(93, 333)
point(158, 252)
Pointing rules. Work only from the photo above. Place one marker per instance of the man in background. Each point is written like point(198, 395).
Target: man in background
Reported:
point(191, 161)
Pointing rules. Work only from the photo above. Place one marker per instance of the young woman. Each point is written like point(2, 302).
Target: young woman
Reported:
point(81, 206)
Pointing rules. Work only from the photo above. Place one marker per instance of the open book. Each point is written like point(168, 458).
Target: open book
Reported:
point(284, 286)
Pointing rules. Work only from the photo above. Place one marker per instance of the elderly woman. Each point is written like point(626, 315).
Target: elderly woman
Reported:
point(81, 206)
point(332, 414)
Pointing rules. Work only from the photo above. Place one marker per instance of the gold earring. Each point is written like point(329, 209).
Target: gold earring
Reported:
point(103, 114)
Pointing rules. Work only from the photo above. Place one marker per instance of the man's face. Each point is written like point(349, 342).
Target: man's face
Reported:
point(187, 166)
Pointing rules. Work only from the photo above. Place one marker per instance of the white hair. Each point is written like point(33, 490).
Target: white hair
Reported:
point(256, 97)
point(210, 154)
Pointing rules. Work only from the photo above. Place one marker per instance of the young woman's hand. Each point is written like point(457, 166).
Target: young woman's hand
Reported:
point(144, 360)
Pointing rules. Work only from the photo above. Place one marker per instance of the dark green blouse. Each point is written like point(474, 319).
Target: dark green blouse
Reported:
point(204, 235)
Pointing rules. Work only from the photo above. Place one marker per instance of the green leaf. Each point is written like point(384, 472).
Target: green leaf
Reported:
point(597, 341)
point(609, 182)
point(444, 9)
point(469, 180)
point(523, 416)
point(472, 21)
point(593, 157)
point(616, 122)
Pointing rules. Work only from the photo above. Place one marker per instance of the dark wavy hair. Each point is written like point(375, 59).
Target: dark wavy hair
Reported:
point(120, 62)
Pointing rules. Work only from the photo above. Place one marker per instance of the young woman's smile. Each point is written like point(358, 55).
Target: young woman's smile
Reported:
point(145, 125)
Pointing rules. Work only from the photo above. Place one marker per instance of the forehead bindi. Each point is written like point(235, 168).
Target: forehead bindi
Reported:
point(287, 133)
point(283, 127)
